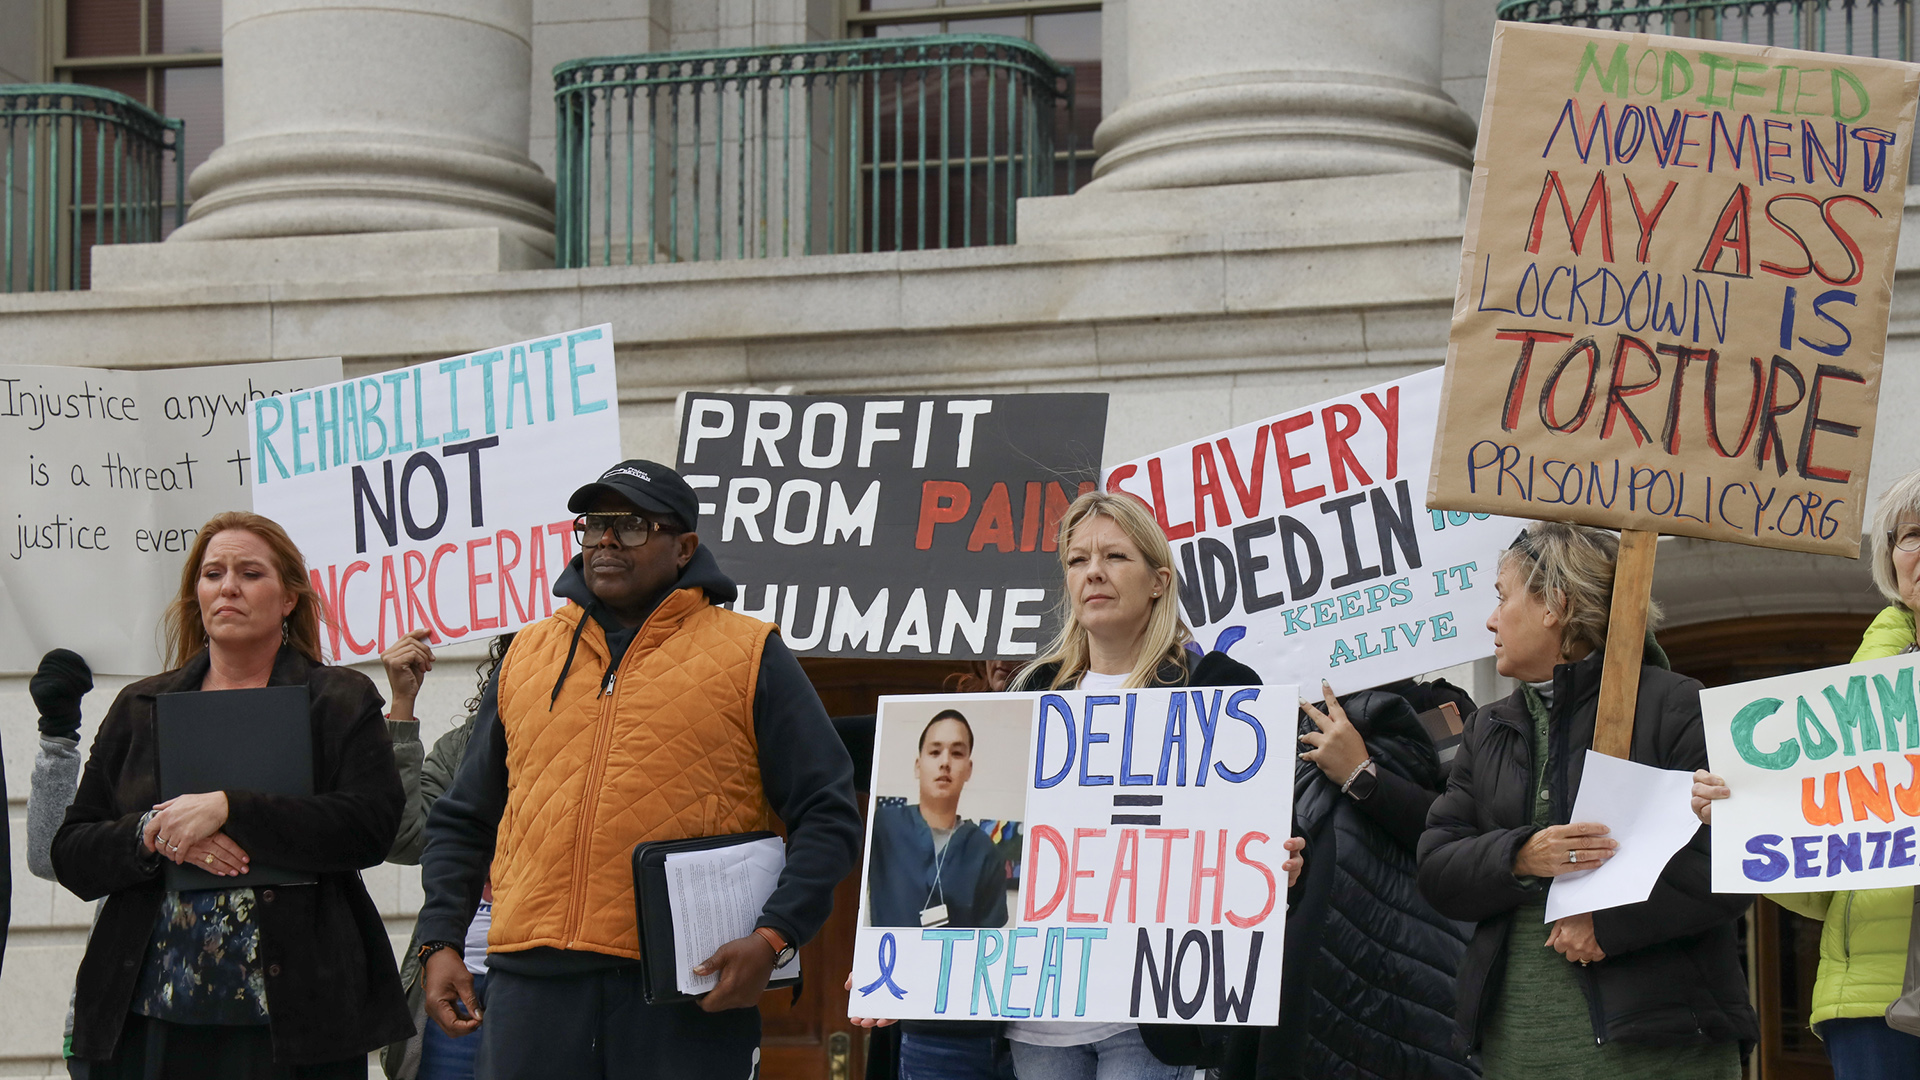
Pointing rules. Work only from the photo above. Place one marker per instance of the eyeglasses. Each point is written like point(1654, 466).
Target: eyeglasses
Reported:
point(631, 530)
point(1905, 537)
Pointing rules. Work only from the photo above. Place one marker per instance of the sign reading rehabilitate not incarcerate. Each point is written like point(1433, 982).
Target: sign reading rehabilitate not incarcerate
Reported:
point(1116, 857)
point(893, 526)
point(1823, 769)
point(435, 496)
point(109, 476)
point(1304, 547)
point(1673, 297)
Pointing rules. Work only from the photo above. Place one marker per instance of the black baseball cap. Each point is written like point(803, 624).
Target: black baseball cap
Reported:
point(649, 485)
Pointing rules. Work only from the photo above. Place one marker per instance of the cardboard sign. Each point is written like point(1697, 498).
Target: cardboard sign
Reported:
point(1304, 548)
point(1673, 295)
point(110, 475)
point(893, 526)
point(436, 496)
point(1822, 766)
point(1128, 868)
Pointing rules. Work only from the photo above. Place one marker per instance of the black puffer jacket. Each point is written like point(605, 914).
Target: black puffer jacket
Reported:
point(1370, 964)
point(1672, 974)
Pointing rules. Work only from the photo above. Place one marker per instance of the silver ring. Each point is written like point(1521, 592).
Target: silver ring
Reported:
point(1573, 856)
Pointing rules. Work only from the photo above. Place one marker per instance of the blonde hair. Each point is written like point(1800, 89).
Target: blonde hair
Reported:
point(1166, 635)
point(1570, 568)
point(1899, 501)
point(186, 633)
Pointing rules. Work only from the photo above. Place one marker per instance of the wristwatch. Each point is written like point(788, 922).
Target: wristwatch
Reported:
point(1364, 781)
point(783, 952)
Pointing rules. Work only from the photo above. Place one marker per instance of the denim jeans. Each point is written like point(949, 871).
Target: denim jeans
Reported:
point(954, 1057)
point(1117, 1057)
point(443, 1057)
point(1865, 1048)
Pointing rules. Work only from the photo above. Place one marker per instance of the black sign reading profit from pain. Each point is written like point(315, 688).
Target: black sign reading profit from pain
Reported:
point(908, 526)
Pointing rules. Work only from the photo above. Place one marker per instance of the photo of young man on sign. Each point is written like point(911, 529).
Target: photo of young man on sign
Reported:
point(932, 866)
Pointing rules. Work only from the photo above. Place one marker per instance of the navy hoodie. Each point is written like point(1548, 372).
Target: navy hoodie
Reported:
point(804, 770)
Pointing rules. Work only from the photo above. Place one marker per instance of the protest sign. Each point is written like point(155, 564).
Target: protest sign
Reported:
point(1673, 297)
point(1822, 765)
point(1303, 545)
point(109, 476)
point(893, 526)
point(436, 495)
point(1128, 867)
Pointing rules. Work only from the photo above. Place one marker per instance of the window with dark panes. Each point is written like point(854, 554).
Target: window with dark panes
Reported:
point(164, 54)
point(1066, 30)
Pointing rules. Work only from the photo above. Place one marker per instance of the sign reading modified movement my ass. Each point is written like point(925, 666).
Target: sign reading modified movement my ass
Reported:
point(1673, 299)
point(893, 526)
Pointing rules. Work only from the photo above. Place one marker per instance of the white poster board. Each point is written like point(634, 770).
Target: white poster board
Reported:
point(1822, 769)
point(109, 476)
point(1304, 547)
point(436, 495)
point(1147, 830)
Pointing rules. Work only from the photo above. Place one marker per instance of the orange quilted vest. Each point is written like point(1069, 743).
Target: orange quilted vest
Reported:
point(669, 754)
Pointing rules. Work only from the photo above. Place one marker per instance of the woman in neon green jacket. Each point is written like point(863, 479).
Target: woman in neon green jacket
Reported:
point(1863, 948)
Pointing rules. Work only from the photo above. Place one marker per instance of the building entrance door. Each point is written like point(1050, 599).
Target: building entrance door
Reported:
point(810, 1038)
point(1783, 949)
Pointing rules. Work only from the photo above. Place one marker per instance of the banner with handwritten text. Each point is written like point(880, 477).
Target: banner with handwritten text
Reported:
point(1822, 766)
point(109, 475)
point(436, 495)
point(1673, 296)
point(1304, 548)
point(1146, 882)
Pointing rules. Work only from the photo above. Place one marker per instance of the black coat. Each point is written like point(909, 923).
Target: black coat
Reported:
point(1672, 974)
point(1369, 987)
point(332, 989)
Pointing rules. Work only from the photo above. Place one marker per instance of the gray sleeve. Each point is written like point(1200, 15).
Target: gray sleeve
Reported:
point(56, 775)
point(407, 754)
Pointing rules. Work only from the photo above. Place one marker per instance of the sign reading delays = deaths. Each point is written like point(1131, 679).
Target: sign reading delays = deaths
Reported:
point(893, 526)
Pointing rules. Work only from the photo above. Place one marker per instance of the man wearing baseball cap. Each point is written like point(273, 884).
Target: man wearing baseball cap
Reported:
point(642, 711)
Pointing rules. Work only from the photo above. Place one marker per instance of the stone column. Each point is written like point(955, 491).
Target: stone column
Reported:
point(1253, 91)
point(364, 116)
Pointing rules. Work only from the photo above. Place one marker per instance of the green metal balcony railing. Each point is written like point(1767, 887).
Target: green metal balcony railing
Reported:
point(1882, 28)
point(82, 166)
point(878, 145)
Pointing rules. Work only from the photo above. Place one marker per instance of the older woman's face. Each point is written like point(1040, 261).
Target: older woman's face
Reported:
point(1110, 582)
point(242, 599)
point(1906, 564)
point(1526, 632)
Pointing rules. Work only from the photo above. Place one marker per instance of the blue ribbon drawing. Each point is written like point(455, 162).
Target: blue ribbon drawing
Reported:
point(888, 953)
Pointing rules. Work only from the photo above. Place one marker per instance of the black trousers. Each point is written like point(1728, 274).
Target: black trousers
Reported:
point(598, 1026)
point(156, 1050)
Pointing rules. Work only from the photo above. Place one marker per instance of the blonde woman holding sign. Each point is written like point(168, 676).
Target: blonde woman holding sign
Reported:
point(1863, 947)
point(1645, 990)
point(1122, 631)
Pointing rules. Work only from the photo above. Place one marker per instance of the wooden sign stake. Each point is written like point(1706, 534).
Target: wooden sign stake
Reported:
point(1626, 643)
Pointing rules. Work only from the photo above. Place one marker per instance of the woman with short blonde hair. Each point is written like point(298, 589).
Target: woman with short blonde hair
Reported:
point(1652, 989)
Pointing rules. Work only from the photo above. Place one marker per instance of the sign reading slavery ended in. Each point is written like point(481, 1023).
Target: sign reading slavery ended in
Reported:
point(893, 526)
point(1303, 546)
point(109, 476)
point(1115, 856)
point(1822, 766)
point(1673, 298)
point(436, 495)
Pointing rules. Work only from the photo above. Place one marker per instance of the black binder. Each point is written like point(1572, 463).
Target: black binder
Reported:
point(234, 740)
point(653, 904)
